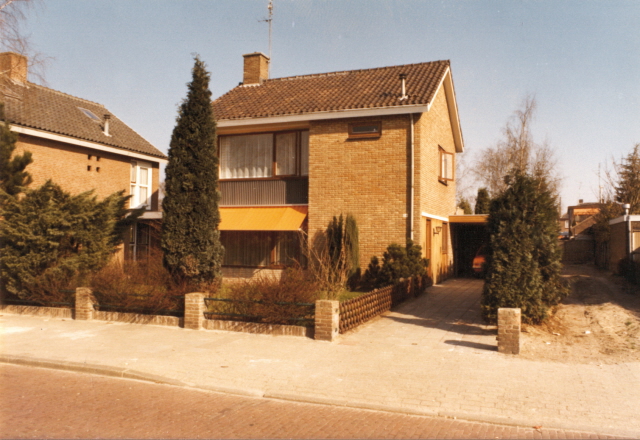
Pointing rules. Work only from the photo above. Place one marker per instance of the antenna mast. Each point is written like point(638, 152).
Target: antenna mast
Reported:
point(269, 20)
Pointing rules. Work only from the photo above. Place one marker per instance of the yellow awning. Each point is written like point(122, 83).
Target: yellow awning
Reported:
point(263, 218)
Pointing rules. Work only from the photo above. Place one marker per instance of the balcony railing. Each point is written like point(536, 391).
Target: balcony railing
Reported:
point(264, 192)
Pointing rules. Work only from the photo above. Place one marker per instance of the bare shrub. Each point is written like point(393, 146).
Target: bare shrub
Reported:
point(139, 286)
point(329, 269)
point(269, 300)
point(51, 289)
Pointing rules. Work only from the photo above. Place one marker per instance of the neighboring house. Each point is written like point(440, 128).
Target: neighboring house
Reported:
point(379, 143)
point(581, 217)
point(82, 146)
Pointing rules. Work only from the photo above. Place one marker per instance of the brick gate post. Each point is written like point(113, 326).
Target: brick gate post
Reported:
point(84, 304)
point(194, 311)
point(327, 320)
point(509, 330)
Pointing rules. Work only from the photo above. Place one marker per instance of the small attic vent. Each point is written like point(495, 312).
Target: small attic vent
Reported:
point(89, 114)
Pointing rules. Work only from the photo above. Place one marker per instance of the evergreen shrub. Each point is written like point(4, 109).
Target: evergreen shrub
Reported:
point(51, 240)
point(524, 257)
point(397, 262)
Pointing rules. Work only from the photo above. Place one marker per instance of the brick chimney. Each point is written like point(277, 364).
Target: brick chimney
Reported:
point(256, 68)
point(13, 66)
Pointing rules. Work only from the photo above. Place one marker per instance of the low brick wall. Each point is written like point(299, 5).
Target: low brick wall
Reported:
point(137, 318)
point(54, 312)
point(252, 327)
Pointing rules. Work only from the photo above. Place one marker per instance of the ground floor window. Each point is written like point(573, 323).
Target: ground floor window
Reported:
point(138, 242)
point(262, 249)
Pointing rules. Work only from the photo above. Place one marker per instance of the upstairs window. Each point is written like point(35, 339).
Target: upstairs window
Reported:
point(267, 155)
point(140, 185)
point(446, 166)
point(365, 130)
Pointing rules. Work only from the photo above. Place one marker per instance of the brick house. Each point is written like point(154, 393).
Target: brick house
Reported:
point(377, 143)
point(82, 146)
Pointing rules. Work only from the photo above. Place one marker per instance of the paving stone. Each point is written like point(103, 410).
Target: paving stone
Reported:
point(433, 351)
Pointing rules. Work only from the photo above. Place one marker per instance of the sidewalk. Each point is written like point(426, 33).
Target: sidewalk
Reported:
point(430, 356)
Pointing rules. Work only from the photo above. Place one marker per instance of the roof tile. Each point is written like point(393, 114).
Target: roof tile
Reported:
point(41, 108)
point(334, 91)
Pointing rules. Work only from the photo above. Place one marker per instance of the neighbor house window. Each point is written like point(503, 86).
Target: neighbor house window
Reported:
point(261, 249)
point(365, 129)
point(140, 185)
point(446, 166)
point(255, 156)
point(139, 238)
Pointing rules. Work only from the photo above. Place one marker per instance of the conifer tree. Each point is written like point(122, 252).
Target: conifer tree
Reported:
point(352, 244)
point(628, 185)
point(13, 177)
point(190, 236)
point(482, 201)
point(49, 236)
point(465, 206)
point(523, 262)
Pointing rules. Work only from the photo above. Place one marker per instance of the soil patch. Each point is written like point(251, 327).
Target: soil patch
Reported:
point(599, 322)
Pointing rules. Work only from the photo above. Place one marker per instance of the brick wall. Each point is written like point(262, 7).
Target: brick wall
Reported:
point(365, 177)
point(67, 165)
point(618, 245)
point(432, 131)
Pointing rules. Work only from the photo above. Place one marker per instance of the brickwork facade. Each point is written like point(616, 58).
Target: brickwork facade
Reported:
point(365, 177)
point(77, 169)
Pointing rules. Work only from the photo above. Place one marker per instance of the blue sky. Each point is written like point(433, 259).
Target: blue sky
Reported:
point(581, 59)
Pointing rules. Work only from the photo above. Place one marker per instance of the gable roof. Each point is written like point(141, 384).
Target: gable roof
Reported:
point(352, 93)
point(41, 108)
point(348, 90)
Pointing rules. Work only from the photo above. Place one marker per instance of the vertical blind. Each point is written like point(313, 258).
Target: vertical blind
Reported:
point(261, 249)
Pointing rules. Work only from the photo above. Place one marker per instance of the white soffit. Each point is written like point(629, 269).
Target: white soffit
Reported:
point(86, 144)
point(334, 114)
point(435, 217)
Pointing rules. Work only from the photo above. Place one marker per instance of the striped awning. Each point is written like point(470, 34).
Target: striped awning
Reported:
point(263, 218)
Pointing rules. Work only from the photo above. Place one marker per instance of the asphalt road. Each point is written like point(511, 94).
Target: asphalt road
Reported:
point(43, 403)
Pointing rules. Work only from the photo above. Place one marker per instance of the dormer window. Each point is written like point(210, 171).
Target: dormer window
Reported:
point(365, 130)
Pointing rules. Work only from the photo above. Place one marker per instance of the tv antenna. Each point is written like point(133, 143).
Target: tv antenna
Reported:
point(269, 20)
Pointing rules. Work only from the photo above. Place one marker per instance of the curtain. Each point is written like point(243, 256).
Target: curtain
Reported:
point(246, 156)
point(286, 154)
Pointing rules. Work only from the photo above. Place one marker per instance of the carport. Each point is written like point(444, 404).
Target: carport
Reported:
point(468, 233)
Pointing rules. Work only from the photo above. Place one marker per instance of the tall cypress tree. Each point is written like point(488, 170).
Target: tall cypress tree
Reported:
point(190, 237)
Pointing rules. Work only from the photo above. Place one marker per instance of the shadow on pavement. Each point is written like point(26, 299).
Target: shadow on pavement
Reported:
point(472, 345)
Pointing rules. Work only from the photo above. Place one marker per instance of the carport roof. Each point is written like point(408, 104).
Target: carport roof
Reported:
point(469, 218)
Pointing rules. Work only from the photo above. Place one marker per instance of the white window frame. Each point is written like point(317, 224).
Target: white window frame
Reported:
point(447, 166)
point(136, 186)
